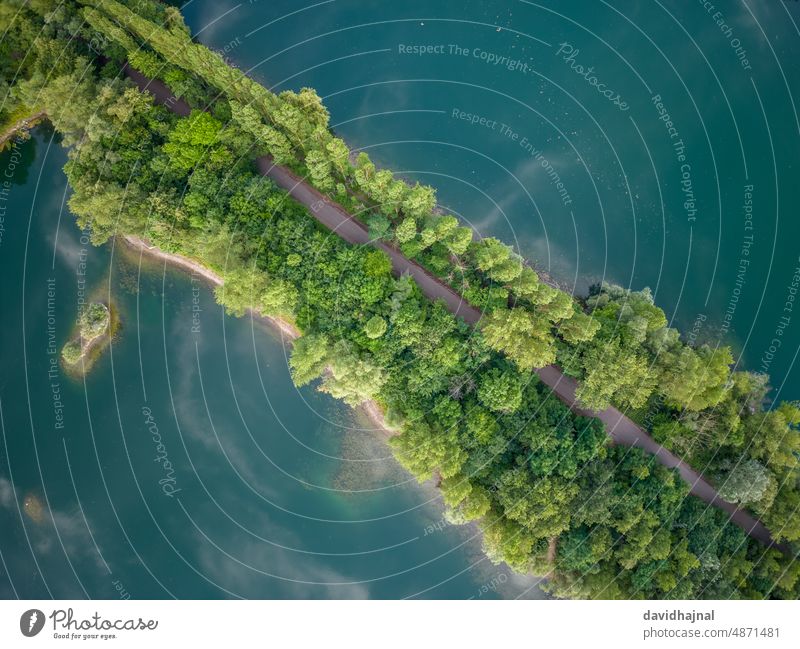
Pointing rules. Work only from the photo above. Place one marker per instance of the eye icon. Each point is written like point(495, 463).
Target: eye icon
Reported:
point(31, 622)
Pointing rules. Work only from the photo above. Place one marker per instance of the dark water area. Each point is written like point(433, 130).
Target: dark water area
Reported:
point(186, 464)
point(644, 144)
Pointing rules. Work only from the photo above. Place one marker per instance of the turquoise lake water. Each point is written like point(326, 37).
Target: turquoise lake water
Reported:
point(275, 492)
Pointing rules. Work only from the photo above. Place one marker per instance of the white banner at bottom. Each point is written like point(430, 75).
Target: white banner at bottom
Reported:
point(389, 624)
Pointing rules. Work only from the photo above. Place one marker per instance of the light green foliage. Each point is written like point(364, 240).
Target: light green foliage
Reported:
point(774, 435)
point(545, 294)
point(279, 298)
point(455, 490)
point(663, 340)
point(526, 285)
point(507, 541)
point(148, 63)
point(782, 517)
point(419, 201)
point(354, 377)
point(309, 356)
point(106, 27)
point(522, 336)
point(375, 327)
point(558, 308)
point(675, 434)
point(379, 187)
point(393, 197)
point(614, 375)
point(490, 253)
point(338, 154)
point(506, 271)
point(423, 450)
point(406, 231)
point(191, 139)
point(242, 290)
point(750, 389)
point(364, 172)
point(578, 328)
point(633, 309)
point(108, 209)
point(691, 379)
point(272, 140)
point(459, 240)
point(500, 391)
point(68, 99)
point(444, 226)
point(694, 379)
point(427, 237)
point(320, 170)
point(475, 505)
point(71, 352)
point(309, 104)
point(377, 264)
point(746, 483)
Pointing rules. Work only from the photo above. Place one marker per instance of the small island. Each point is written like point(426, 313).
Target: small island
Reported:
point(96, 326)
point(33, 508)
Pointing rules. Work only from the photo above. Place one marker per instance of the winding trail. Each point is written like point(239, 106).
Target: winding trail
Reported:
point(333, 216)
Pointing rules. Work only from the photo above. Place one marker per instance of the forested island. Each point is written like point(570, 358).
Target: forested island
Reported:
point(94, 330)
point(551, 494)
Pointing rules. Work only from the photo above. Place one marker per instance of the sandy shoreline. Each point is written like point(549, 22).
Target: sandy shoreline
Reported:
point(22, 124)
point(197, 269)
point(90, 345)
point(369, 408)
